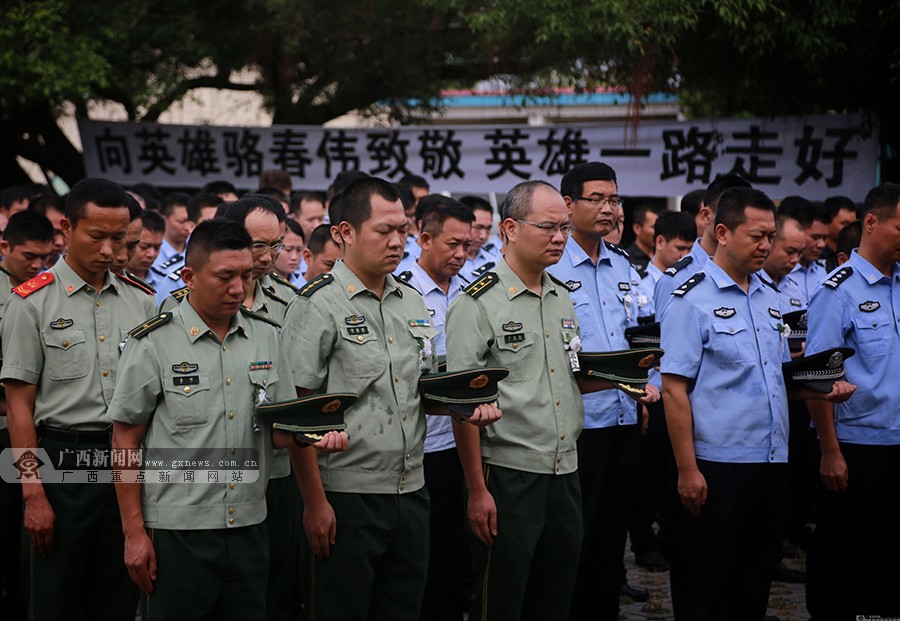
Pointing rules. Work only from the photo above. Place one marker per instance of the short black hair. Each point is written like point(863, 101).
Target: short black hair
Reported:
point(849, 238)
point(294, 227)
point(220, 187)
point(275, 178)
point(342, 180)
point(692, 201)
point(275, 193)
point(101, 192)
point(415, 181)
point(356, 199)
point(438, 210)
point(406, 195)
point(241, 208)
point(173, 200)
point(27, 226)
point(14, 195)
point(152, 221)
point(805, 213)
point(733, 202)
point(639, 213)
point(834, 204)
point(517, 204)
point(476, 202)
point(675, 225)
point(718, 187)
point(882, 201)
point(212, 235)
point(319, 238)
point(299, 196)
point(572, 183)
point(134, 208)
point(47, 202)
point(196, 205)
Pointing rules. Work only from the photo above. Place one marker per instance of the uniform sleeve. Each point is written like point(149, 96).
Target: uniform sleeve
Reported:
point(138, 385)
point(149, 307)
point(682, 339)
point(825, 317)
point(20, 332)
point(468, 335)
point(662, 294)
point(285, 388)
point(308, 337)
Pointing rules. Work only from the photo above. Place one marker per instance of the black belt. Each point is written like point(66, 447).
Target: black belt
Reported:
point(74, 436)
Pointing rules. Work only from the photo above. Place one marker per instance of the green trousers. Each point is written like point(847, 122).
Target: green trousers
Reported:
point(377, 567)
point(216, 573)
point(85, 576)
point(529, 572)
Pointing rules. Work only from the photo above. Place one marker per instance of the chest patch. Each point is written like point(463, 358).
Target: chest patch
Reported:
point(514, 338)
point(869, 306)
point(775, 314)
point(573, 285)
point(185, 367)
point(624, 286)
point(724, 313)
point(358, 330)
point(186, 380)
point(796, 302)
point(511, 326)
point(62, 324)
point(354, 320)
point(568, 324)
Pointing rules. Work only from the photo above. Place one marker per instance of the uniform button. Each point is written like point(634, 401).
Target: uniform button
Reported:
point(106, 374)
point(98, 304)
point(65, 344)
point(224, 347)
point(233, 451)
point(559, 460)
point(390, 339)
point(231, 522)
point(408, 456)
point(360, 338)
point(230, 510)
point(404, 417)
point(231, 416)
point(404, 477)
point(396, 378)
point(765, 362)
point(515, 346)
point(102, 339)
point(232, 485)
point(547, 334)
point(228, 381)
point(757, 329)
point(562, 437)
point(401, 488)
point(553, 369)
point(187, 389)
point(557, 402)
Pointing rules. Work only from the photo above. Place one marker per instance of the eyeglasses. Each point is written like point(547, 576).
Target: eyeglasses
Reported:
point(596, 201)
point(261, 247)
point(550, 229)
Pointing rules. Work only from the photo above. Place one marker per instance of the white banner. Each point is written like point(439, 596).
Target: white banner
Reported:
point(815, 157)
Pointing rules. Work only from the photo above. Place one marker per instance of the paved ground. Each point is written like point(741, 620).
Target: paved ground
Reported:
point(787, 601)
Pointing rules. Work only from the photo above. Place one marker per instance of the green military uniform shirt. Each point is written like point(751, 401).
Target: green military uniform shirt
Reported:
point(280, 286)
point(5, 292)
point(341, 338)
point(208, 402)
point(64, 337)
point(499, 322)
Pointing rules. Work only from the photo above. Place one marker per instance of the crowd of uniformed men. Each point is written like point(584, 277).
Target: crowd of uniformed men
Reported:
point(134, 320)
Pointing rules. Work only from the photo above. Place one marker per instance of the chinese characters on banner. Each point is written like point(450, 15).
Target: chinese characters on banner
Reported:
point(815, 157)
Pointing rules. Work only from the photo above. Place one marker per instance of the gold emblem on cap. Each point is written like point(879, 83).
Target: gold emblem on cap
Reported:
point(351, 288)
point(479, 381)
point(646, 361)
point(331, 406)
point(195, 331)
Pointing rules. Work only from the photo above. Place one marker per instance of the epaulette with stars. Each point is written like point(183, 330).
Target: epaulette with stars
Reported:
point(484, 269)
point(316, 284)
point(616, 249)
point(163, 267)
point(30, 286)
point(406, 282)
point(678, 266)
point(405, 276)
point(477, 288)
point(246, 312)
point(689, 284)
point(834, 281)
point(180, 294)
point(270, 293)
point(176, 275)
point(284, 281)
point(150, 325)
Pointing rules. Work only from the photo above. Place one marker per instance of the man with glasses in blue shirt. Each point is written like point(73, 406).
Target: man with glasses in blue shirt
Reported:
point(603, 286)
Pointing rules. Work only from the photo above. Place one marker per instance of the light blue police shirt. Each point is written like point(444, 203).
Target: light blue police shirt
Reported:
point(673, 279)
point(808, 278)
point(605, 302)
point(728, 344)
point(862, 311)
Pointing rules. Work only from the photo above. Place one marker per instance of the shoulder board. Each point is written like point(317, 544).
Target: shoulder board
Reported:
point(134, 281)
point(834, 281)
point(404, 276)
point(559, 282)
point(175, 258)
point(320, 281)
point(484, 269)
point(150, 325)
point(482, 284)
point(246, 312)
point(464, 279)
point(678, 266)
point(284, 281)
point(180, 294)
point(408, 284)
point(770, 283)
point(689, 284)
point(176, 275)
point(30, 286)
point(641, 271)
point(616, 249)
point(270, 292)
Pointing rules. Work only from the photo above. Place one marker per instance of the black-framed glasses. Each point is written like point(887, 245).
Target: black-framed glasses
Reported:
point(261, 247)
point(549, 229)
point(598, 200)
